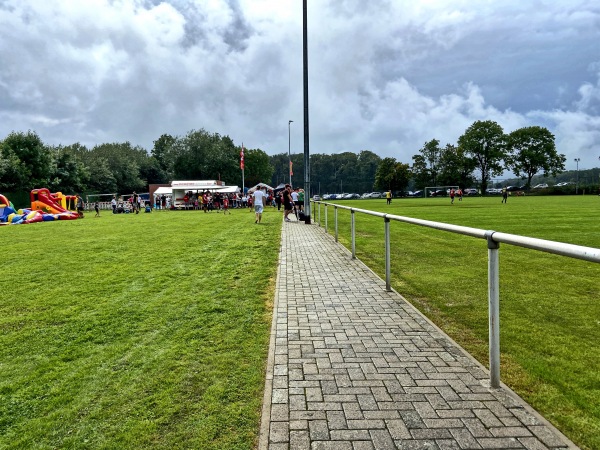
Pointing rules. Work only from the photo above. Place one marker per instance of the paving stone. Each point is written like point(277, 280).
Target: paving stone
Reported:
point(357, 368)
point(299, 440)
point(319, 430)
point(279, 432)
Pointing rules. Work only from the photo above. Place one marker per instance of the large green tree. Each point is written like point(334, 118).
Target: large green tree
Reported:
point(162, 151)
point(455, 168)
point(27, 162)
point(257, 168)
point(392, 175)
point(367, 164)
point(431, 153)
point(532, 150)
point(485, 142)
point(68, 173)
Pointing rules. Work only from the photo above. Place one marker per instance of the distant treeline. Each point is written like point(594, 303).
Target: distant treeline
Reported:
point(483, 152)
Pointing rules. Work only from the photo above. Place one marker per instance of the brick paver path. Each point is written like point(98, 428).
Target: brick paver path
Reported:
point(353, 367)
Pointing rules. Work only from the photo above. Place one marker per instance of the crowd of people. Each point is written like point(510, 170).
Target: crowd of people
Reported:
point(208, 201)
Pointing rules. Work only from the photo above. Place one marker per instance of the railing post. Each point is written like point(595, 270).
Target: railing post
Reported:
point(353, 233)
point(319, 213)
point(335, 220)
point(325, 218)
point(494, 308)
point(388, 284)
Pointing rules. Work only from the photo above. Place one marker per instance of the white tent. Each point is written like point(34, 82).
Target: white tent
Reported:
point(260, 186)
point(229, 189)
point(163, 190)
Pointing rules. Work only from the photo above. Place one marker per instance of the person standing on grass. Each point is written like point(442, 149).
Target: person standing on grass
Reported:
point(226, 205)
point(113, 203)
point(388, 197)
point(258, 200)
point(80, 206)
point(504, 194)
point(97, 209)
point(459, 192)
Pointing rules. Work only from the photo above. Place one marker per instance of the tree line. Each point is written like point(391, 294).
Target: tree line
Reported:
point(481, 153)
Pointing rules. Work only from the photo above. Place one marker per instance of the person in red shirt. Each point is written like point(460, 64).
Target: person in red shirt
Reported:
point(226, 205)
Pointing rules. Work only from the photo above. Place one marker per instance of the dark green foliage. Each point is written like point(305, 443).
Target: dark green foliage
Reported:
point(533, 150)
point(485, 143)
point(26, 162)
point(392, 175)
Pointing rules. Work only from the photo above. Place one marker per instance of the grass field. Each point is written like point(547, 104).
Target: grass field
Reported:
point(151, 331)
point(136, 331)
point(549, 305)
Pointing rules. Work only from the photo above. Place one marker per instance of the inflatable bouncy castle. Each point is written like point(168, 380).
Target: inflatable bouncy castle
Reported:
point(53, 211)
point(55, 203)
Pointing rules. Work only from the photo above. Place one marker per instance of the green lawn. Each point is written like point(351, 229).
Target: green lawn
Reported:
point(549, 305)
point(151, 330)
point(136, 331)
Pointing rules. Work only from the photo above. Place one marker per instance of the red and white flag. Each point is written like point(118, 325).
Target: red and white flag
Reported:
point(291, 170)
point(242, 157)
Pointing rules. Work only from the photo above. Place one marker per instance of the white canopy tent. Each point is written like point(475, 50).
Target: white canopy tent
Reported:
point(260, 186)
point(163, 190)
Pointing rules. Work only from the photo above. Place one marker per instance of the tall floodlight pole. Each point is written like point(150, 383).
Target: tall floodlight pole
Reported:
point(577, 183)
point(289, 152)
point(306, 135)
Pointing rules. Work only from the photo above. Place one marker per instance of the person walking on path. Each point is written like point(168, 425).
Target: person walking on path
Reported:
point(301, 199)
point(259, 201)
point(288, 202)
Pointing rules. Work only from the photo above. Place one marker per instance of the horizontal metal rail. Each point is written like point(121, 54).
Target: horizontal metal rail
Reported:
point(493, 238)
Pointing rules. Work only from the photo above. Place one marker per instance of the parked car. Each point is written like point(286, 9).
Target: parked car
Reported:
point(366, 195)
point(417, 194)
point(351, 196)
point(470, 191)
point(564, 183)
point(438, 193)
point(326, 196)
point(541, 186)
point(493, 191)
point(316, 198)
point(376, 195)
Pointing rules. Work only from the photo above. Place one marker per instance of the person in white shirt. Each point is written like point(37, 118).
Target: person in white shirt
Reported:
point(259, 201)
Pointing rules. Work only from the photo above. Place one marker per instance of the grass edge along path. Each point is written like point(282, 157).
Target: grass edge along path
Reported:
point(136, 331)
point(549, 309)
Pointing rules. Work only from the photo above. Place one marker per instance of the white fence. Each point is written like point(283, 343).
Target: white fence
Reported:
point(493, 239)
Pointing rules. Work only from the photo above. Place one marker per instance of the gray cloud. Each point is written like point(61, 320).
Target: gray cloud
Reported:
point(384, 76)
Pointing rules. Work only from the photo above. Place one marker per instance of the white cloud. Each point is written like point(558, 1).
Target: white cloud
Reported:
point(385, 76)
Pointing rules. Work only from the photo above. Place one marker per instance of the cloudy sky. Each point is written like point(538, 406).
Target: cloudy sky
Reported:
point(384, 75)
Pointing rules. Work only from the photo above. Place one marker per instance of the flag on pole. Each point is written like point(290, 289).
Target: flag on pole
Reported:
point(291, 170)
point(242, 157)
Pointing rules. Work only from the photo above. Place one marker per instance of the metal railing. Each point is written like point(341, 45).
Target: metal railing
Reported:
point(493, 239)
